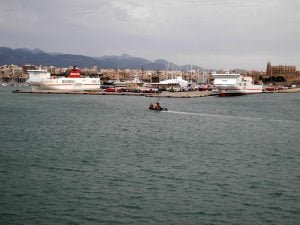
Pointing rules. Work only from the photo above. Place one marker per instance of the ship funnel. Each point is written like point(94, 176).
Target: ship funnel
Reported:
point(74, 73)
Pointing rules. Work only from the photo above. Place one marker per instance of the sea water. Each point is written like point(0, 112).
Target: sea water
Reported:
point(84, 159)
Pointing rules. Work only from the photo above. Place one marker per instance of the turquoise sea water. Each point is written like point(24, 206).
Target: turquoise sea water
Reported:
point(79, 159)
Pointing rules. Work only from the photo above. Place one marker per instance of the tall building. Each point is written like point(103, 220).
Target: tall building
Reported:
point(288, 72)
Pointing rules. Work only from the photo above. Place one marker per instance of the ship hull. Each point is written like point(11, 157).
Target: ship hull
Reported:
point(68, 84)
point(235, 91)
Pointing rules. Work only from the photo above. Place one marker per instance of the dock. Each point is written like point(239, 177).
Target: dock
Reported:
point(289, 90)
point(165, 94)
point(188, 94)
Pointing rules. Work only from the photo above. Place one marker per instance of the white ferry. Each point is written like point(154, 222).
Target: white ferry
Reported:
point(229, 84)
point(41, 80)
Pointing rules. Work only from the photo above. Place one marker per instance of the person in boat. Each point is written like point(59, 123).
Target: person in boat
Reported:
point(157, 106)
point(151, 106)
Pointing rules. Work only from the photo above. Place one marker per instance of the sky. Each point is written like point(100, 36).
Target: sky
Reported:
point(219, 34)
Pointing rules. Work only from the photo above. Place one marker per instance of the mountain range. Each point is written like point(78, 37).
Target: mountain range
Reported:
point(23, 56)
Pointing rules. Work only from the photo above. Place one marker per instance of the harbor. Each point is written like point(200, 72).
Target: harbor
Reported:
point(130, 112)
point(222, 84)
point(173, 84)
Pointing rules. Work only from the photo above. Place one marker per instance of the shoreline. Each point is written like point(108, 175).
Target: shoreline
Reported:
point(165, 94)
point(292, 90)
point(189, 94)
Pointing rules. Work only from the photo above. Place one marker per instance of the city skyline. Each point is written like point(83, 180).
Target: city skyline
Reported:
point(214, 34)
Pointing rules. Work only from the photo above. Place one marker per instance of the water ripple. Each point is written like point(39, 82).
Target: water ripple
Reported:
point(74, 159)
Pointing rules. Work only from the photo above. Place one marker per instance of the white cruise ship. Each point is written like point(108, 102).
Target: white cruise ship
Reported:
point(41, 80)
point(229, 84)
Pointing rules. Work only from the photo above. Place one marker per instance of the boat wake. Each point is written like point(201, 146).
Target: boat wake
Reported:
point(228, 116)
point(212, 115)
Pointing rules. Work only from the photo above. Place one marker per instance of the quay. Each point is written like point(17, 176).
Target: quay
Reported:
point(164, 94)
point(188, 94)
point(290, 90)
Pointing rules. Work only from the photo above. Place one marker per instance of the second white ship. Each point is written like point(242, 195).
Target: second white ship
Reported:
point(229, 84)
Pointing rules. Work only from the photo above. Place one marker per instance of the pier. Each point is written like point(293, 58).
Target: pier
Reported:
point(165, 94)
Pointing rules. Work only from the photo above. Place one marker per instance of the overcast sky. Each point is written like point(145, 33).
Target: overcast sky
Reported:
point(216, 34)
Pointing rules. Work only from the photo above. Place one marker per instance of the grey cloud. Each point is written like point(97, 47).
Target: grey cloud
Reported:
point(214, 32)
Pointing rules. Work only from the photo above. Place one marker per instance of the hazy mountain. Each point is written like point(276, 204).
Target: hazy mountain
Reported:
point(122, 62)
point(22, 56)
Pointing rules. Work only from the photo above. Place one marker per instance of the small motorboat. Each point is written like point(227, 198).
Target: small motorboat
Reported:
point(161, 109)
point(157, 107)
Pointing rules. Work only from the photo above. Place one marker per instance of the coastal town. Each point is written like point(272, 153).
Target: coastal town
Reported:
point(275, 78)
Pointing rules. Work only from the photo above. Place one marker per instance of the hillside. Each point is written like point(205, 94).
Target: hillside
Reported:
point(22, 56)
